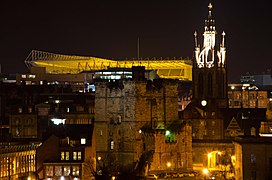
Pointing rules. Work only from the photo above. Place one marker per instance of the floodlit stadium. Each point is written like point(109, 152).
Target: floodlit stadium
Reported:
point(63, 64)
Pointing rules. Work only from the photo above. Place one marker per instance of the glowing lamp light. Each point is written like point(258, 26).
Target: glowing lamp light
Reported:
point(209, 155)
point(58, 121)
point(204, 103)
point(99, 158)
point(205, 171)
point(140, 131)
point(168, 164)
point(167, 132)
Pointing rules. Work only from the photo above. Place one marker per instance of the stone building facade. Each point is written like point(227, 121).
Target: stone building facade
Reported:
point(132, 118)
point(253, 158)
point(18, 160)
point(209, 96)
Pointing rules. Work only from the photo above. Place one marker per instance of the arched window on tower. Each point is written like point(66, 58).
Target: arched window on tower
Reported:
point(222, 85)
point(209, 56)
point(223, 82)
point(210, 84)
point(219, 82)
point(200, 85)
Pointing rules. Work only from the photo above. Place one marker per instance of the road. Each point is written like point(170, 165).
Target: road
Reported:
point(183, 178)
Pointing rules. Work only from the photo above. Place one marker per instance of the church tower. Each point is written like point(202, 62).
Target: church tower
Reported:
point(210, 67)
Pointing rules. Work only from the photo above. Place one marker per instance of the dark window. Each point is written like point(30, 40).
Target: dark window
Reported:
point(200, 85)
point(210, 85)
point(253, 159)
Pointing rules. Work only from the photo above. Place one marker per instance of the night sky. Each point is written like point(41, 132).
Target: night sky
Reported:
point(110, 29)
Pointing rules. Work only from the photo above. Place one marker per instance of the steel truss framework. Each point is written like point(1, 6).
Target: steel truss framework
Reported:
point(63, 64)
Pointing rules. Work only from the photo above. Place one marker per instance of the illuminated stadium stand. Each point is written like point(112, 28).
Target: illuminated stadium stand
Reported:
point(71, 64)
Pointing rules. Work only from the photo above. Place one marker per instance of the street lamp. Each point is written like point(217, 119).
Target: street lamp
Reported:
point(205, 172)
point(168, 164)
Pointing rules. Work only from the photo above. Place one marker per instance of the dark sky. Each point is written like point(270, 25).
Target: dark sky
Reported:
point(110, 29)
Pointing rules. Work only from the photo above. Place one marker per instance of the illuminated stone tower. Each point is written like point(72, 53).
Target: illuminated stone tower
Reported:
point(210, 68)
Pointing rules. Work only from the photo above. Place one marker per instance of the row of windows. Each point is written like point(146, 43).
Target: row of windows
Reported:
point(212, 132)
point(31, 76)
point(65, 156)
point(51, 171)
point(16, 165)
point(239, 95)
point(22, 122)
point(116, 72)
point(20, 110)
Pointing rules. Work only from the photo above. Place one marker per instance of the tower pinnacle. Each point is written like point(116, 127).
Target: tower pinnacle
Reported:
point(210, 6)
point(209, 70)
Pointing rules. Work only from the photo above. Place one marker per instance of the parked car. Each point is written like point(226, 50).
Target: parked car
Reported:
point(174, 175)
point(180, 175)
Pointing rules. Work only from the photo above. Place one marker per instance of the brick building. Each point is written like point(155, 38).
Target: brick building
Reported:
point(67, 152)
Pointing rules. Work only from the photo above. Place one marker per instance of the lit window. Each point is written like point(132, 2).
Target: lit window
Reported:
point(66, 170)
point(62, 156)
point(83, 140)
point(68, 109)
point(20, 110)
point(66, 155)
point(30, 109)
point(112, 144)
point(213, 123)
point(107, 72)
point(119, 118)
point(58, 170)
point(31, 76)
point(49, 170)
point(74, 155)
point(253, 159)
point(23, 75)
point(78, 155)
point(75, 170)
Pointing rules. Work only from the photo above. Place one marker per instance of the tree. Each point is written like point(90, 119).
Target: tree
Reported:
point(225, 164)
